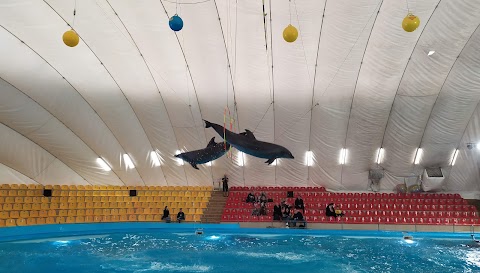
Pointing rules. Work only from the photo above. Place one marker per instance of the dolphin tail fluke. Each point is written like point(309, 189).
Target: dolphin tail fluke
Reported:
point(270, 161)
point(194, 166)
point(208, 124)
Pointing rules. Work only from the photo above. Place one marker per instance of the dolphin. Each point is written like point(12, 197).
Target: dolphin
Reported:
point(202, 156)
point(247, 143)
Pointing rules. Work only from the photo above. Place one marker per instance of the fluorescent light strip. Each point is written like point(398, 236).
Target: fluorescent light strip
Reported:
point(179, 160)
point(128, 161)
point(103, 164)
point(309, 158)
point(209, 163)
point(418, 156)
point(274, 163)
point(430, 53)
point(240, 158)
point(155, 159)
point(343, 156)
point(380, 155)
point(455, 154)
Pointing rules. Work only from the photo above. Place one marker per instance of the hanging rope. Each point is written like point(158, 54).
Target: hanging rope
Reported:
point(74, 13)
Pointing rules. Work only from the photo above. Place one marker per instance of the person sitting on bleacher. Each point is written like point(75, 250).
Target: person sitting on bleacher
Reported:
point(255, 211)
point(263, 209)
point(166, 214)
point(180, 216)
point(286, 213)
point(250, 198)
point(299, 203)
point(330, 211)
point(263, 198)
point(277, 212)
point(298, 217)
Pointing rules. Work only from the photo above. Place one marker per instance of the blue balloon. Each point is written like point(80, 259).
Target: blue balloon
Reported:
point(176, 23)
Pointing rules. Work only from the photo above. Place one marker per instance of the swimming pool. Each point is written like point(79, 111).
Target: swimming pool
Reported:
point(177, 248)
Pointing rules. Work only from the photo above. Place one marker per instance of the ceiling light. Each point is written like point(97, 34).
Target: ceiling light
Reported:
point(343, 156)
point(380, 154)
point(274, 163)
point(179, 160)
point(103, 164)
point(154, 158)
point(309, 158)
point(128, 161)
point(240, 158)
point(418, 156)
point(454, 158)
point(209, 163)
point(430, 53)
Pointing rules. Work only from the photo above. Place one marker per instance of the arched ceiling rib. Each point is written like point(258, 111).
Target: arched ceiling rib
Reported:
point(133, 85)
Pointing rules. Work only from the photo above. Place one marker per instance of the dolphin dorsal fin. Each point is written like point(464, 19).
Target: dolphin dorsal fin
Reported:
point(249, 134)
point(212, 142)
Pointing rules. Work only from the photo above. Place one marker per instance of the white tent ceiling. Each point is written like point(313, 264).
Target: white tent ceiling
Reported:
point(354, 79)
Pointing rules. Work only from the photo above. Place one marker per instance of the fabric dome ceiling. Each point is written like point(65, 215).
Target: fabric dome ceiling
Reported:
point(354, 79)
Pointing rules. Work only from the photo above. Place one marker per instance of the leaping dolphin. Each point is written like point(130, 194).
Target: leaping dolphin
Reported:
point(247, 143)
point(202, 156)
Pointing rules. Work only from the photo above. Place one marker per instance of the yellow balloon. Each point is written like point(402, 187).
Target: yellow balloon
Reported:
point(410, 23)
point(70, 38)
point(290, 34)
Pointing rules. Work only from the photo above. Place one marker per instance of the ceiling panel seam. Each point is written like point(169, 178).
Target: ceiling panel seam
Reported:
point(114, 80)
point(403, 74)
point(49, 64)
point(156, 85)
point(273, 82)
point(356, 82)
point(443, 84)
point(45, 151)
point(313, 89)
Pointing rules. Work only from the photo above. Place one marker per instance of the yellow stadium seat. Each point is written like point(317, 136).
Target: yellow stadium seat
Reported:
point(96, 193)
point(2, 200)
point(72, 205)
point(155, 211)
point(121, 205)
point(164, 199)
point(104, 193)
point(80, 219)
point(60, 220)
point(22, 193)
point(34, 213)
point(2, 222)
point(118, 193)
point(28, 200)
point(80, 199)
point(146, 211)
point(72, 199)
point(148, 193)
point(21, 222)
point(31, 221)
point(167, 193)
point(41, 221)
point(48, 187)
point(124, 187)
point(5, 186)
point(3, 193)
point(89, 219)
point(72, 193)
point(62, 212)
point(188, 193)
point(80, 193)
point(125, 193)
point(64, 193)
point(191, 211)
point(88, 199)
point(14, 186)
point(96, 187)
point(63, 199)
point(80, 212)
point(119, 199)
point(97, 204)
point(43, 213)
point(188, 218)
point(103, 187)
point(114, 218)
point(12, 193)
point(64, 205)
point(23, 186)
point(134, 199)
point(201, 194)
point(9, 200)
point(106, 211)
point(97, 218)
point(64, 187)
point(51, 206)
point(105, 205)
point(89, 212)
point(17, 206)
point(140, 193)
point(131, 211)
point(10, 223)
point(171, 199)
point(80, 205)
point(45, 200)
point(80, 187)
point(88, 187)
point(157, 218)
point(181, 193)
point(139, 211)
point(203, 205)
point(88, 193)
point(199, 211)
point(30, 193)
point(123, 218)
point(24, 214)
point(150, 199)
point(111, 199)
point(72, 212)
point(207, 194)
point(205, 199)
point(106, 218)
point(128, 204)
point(132, 218)
point(98, 212)
point(4, 215)
point(52, 213)
point(149, 218)
point(122, 211)
point(141, 218)
point(70, 219)
point(114, 212)
point(7, 206)
point(56, 193)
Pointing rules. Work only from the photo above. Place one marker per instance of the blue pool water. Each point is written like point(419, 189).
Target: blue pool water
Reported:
point(242, 250)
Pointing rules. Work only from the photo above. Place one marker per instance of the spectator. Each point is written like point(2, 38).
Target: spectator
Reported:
point(250, 198)
point(180, 216)
point(255, 211)
point(166, 214)
point(330, 211)
point(225, 185)
point(299, 203)
point(277, 212)
point(263, 209)
point(297, 217)
point(263, 198)
point(286, 213)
